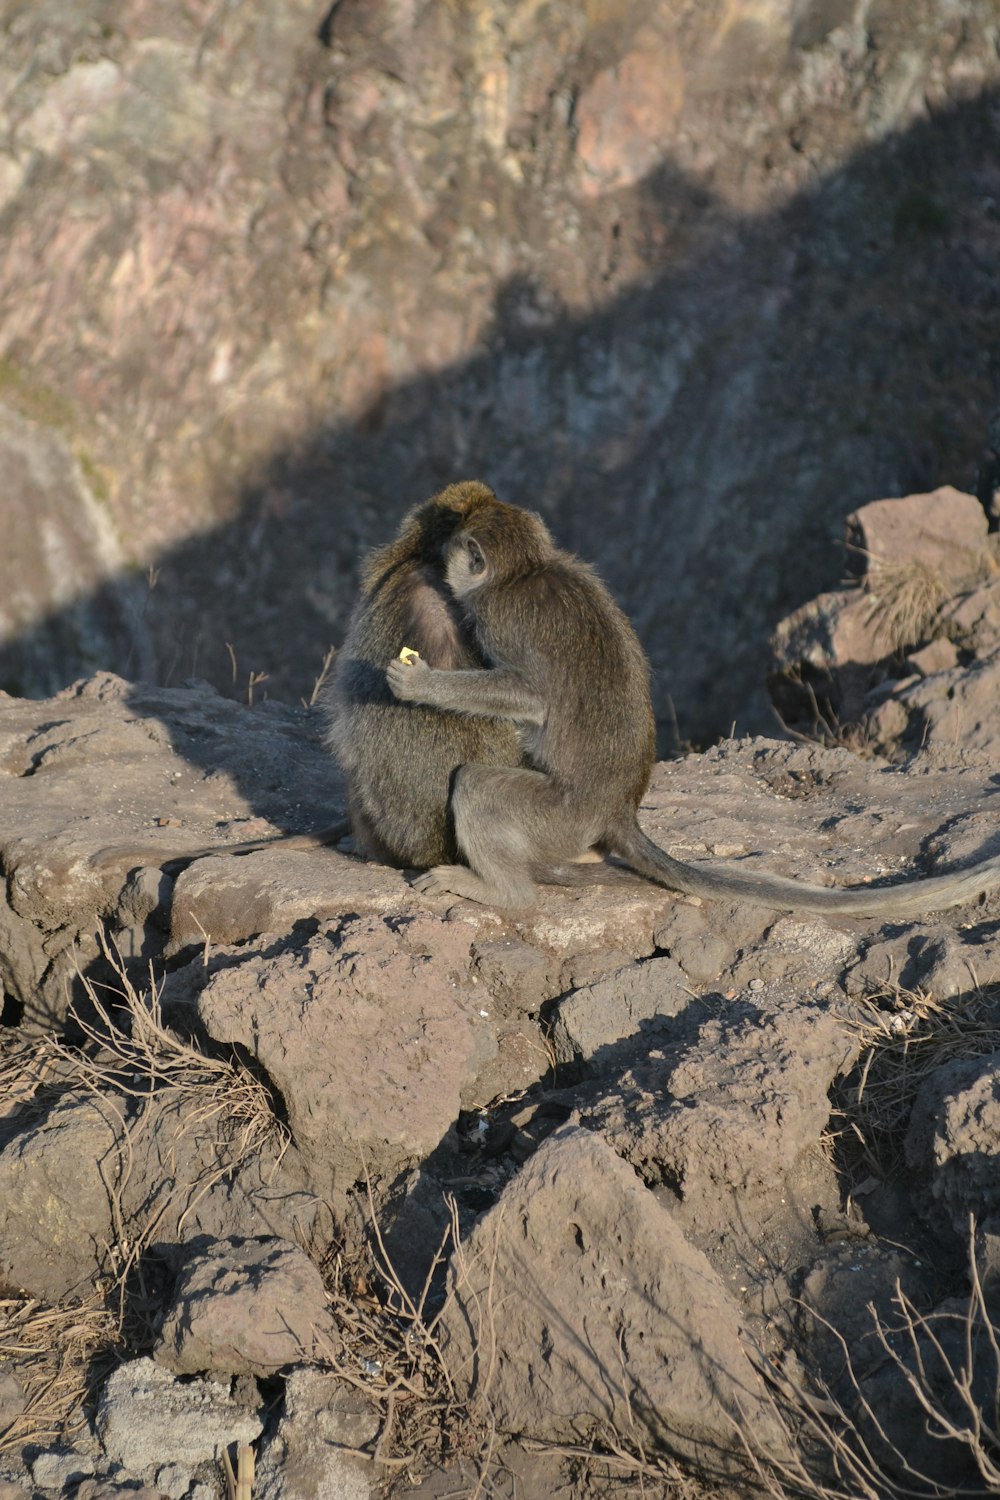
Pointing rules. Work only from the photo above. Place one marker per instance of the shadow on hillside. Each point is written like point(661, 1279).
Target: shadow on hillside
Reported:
point(700, 438)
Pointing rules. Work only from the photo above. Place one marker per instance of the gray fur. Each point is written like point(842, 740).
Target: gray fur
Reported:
point(569, 670)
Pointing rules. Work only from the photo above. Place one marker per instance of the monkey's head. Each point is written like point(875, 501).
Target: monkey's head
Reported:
point(430, 526)
point(496, 543)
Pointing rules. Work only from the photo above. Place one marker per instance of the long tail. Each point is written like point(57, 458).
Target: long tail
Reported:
point(912, 899)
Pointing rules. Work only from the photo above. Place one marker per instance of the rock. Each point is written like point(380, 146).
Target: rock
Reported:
point(627, 113)
point(643, 372)
point(174, 1481)
point(850, 1314)
point(312, 1455)
point(944, 531)
point(246, 1307)
point(953, 1142)
point(987, 1252)
point(638, 999)
point(972, 619)
point(147, 1419)
point(955, 710)
point(924, 562)
point(577, 1302)
point(12, 1399)
point(56, 1181)
point(98, 770)
point(848, 1291)
point(650, 1205)
point(348, 1028)
point(62, 552)
point(61, 1179)
point(692, 938)
point(729, 1116)
point(115, 1489)
point(60, 1468)
point(938, 656)
point(953, 1363)
point(833, 644)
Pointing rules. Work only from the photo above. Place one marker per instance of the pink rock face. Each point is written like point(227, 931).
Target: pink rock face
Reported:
point(626, 116)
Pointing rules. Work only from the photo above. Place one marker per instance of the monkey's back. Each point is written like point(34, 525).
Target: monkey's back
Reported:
point(400, 758)
point(559, 627)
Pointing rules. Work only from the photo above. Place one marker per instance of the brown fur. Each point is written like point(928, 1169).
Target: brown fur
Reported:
point(399, 758)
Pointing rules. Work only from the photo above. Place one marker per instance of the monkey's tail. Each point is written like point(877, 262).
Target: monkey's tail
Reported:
point(912, 899)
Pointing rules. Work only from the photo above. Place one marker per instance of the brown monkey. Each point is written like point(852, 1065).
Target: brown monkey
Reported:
point(399, 759)
point(569, 669)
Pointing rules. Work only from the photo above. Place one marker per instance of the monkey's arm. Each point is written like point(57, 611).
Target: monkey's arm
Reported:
point(492, 694)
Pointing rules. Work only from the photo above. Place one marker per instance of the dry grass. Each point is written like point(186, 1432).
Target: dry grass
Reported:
point(906, 598)
point(905, 1035)
point(942, 1357)
point(392, 1348)
point(854, 1456)
point(391, 1351)
point(60, 1354)
point(825, 727)
point(321, 679)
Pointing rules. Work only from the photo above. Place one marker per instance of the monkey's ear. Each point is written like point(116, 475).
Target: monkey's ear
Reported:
point(476, 556)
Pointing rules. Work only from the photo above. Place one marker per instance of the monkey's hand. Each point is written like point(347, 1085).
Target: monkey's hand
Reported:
point(410, 680)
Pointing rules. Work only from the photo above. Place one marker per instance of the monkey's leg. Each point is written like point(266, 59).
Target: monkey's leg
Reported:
point(491, 693)
point(507, 822)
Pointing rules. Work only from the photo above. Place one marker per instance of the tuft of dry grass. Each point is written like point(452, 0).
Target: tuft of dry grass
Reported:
point(906, 598)
point(390, 1350)
point(905, 1035)
point(825, 727)
point(134, 1053)
point(58, 1354)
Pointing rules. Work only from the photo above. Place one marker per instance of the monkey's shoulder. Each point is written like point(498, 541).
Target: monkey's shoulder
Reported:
point(565, 593)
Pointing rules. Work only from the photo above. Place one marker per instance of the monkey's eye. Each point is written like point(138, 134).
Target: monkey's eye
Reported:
point(477, 562)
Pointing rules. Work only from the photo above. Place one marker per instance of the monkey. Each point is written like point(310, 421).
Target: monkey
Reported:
point(567, 666)
point(398, 760)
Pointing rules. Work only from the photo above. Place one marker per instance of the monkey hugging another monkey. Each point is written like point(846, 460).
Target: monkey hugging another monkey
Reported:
point(546, 649)
point(521, 735)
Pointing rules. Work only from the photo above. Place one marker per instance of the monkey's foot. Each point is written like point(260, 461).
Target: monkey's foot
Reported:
point(451, 880)
point(459, 880)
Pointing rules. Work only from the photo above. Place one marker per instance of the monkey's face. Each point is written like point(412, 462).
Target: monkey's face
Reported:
point(466, 568)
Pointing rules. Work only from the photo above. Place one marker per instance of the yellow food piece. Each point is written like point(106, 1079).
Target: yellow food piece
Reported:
point(408, 655)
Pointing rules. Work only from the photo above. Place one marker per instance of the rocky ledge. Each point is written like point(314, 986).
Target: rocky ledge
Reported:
point(298, 1163)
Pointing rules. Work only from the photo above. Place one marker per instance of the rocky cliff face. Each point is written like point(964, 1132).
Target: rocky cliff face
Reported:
point(693, 280)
